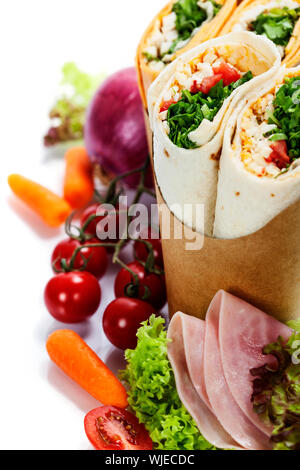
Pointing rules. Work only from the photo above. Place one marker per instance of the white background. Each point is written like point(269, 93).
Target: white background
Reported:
point(40, 407)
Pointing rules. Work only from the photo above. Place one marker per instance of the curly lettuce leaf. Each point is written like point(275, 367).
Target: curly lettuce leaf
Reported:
point(68, 114)
point(152, 392)
point(294, 324)
point(276, 393)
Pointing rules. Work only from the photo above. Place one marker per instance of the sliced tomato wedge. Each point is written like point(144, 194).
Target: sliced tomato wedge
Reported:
point(206, 84)
point(111, 428)
point(166, 104)
point(279, 154)
point(229, 74)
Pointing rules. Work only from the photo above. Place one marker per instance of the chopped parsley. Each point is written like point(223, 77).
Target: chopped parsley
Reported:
point(150, 57)
point(286, 116)
point(187, 114)
point(277, 24)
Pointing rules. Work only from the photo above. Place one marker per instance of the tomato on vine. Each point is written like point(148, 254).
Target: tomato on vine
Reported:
point(122, 318)
point(89, 220)
point(93, 215)
point(88, 258)
point(150, 287)
point(141, 251)
point(72, 297)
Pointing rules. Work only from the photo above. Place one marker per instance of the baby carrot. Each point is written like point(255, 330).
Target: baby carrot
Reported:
point(78, 184)
point(78, 361)
point(52, 209)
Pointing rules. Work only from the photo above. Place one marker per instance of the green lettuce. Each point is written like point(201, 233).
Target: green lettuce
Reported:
point(277, 24)
point(68, 114)
point(276, 393)
point(152, 392)
point(294, 324)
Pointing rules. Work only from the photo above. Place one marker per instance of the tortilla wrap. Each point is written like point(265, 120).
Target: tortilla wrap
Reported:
point(190, 176)
point(208, 30)
point(251, 192)
point(248, 11)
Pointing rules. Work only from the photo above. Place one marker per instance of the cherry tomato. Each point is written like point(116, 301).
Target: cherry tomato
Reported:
point(97, 257)
point(140, 249)
point(155, 283)
point(111, 428)
point(122, 318)
point(72, 297)
point(91, 229)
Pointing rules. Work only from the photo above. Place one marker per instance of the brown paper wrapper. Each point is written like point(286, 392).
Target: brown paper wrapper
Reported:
point(262, 268)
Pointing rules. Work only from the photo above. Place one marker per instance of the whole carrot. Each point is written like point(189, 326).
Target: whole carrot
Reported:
point(78, 361)
point(52, 209)
point(78, 184)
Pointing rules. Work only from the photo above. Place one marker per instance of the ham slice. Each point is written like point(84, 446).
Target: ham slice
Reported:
point(225, 407)
point(187, 335)
point(243, 332)
point(193, 331)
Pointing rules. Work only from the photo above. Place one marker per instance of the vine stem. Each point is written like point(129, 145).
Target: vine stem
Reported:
point(110, 196)
point(141, 189)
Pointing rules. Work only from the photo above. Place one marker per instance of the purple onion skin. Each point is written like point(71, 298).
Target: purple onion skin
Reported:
point(115, 134)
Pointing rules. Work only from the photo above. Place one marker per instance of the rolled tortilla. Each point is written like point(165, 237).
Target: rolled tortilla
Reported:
point(190, 176)
point(249, 10)
point(160, 29)
point(252, 189)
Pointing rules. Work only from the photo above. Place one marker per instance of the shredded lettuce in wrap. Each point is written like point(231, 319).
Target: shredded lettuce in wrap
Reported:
point(152, 392)
point(277, 24)
point(286, 116)
point(189, 16)
point(188, 113)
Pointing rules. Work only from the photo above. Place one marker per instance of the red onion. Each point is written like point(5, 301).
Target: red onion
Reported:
point(115, 134)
